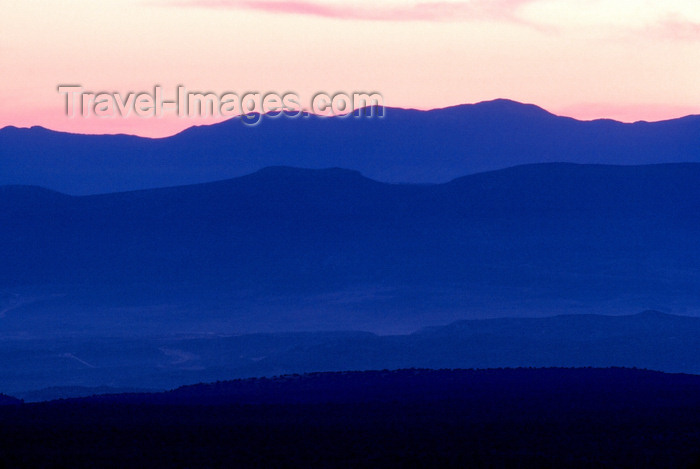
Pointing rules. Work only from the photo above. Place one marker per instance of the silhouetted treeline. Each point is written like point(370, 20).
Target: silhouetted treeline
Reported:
point(463, 418)
point(9, 400)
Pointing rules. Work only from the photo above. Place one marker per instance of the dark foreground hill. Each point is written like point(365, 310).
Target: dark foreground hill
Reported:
point(403, 146)
point(492, 418)
point(9, 400)
point(73, 366)
point(290, 249)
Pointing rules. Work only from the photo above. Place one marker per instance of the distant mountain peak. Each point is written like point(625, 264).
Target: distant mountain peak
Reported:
point(505, 107)
point(33, 128)
point(504, 103)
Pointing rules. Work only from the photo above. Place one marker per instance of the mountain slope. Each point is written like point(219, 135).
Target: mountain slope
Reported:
point(293, 249)
point(403, 146)
point(75, 366)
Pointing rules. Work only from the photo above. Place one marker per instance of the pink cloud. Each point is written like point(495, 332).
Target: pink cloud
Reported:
point(675, 28)
point(422, 11)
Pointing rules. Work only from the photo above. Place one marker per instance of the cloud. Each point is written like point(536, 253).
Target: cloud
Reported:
point(675, 28)
point(445, 11)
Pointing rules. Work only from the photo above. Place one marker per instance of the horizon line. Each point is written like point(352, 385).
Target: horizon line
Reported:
point(214, 121)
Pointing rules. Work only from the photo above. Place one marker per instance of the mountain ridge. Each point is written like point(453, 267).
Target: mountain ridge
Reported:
point(305, 248)
point(653, 341)
point(404, 146)
point(268, 174)
point(506, 104)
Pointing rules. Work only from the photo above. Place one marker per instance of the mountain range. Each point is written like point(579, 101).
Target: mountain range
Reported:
point(341, 244)
point(73, 366)
point(289, 249)
point(402, 146)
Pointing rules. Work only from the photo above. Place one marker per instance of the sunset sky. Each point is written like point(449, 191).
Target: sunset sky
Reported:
point(623, 59)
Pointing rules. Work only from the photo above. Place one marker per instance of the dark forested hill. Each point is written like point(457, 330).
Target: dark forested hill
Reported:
point(9, 400)
point(430, 418)
point(585, 385)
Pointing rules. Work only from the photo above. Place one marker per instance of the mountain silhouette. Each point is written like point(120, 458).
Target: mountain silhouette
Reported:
point(554, 417)
point(589, 386)
point(654, 341)
point(403, 146)
point(8, 400)
point(296, 249)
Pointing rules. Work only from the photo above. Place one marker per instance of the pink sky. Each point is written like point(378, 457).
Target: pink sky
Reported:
point(623, 59)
